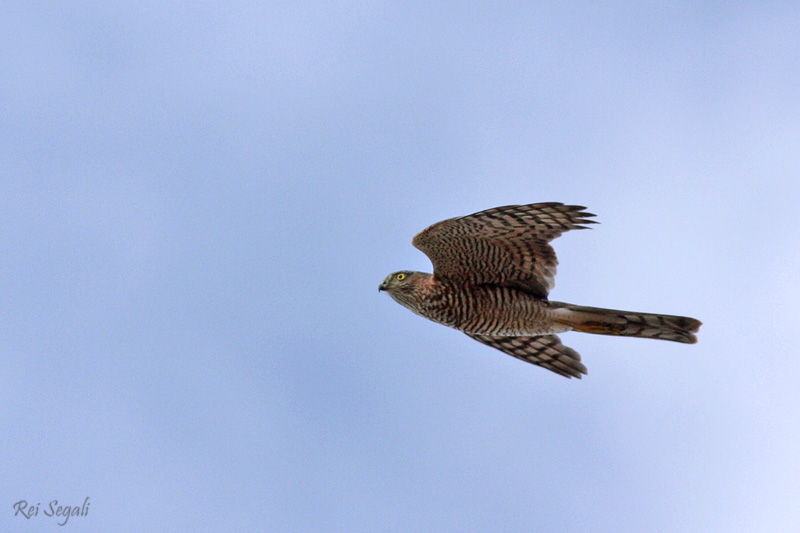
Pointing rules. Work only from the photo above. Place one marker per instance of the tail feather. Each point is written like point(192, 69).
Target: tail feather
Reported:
point(626, 323)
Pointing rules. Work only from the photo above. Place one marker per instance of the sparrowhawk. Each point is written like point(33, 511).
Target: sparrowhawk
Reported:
point(492, 273)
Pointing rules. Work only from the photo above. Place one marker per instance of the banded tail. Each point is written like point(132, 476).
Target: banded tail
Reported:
point(626, 323)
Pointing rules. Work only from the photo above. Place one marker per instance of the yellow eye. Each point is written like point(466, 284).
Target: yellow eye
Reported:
point(400, 277)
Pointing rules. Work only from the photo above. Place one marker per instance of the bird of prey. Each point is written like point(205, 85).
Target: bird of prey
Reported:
point(492, 273)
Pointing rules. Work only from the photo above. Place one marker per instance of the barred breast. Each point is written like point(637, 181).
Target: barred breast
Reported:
point(488, 310)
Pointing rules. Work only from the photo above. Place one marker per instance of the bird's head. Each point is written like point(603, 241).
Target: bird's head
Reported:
point(406, 287)
point(400, 282)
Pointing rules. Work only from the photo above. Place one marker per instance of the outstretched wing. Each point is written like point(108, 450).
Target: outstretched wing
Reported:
point(543, 350)
point(505, 246)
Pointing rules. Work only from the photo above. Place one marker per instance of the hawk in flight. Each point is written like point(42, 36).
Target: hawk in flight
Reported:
point(492, 272)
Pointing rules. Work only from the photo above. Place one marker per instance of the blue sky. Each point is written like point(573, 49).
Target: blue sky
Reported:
point(198, 201)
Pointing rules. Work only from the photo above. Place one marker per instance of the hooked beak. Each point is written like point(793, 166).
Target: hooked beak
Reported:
point(382, 286)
